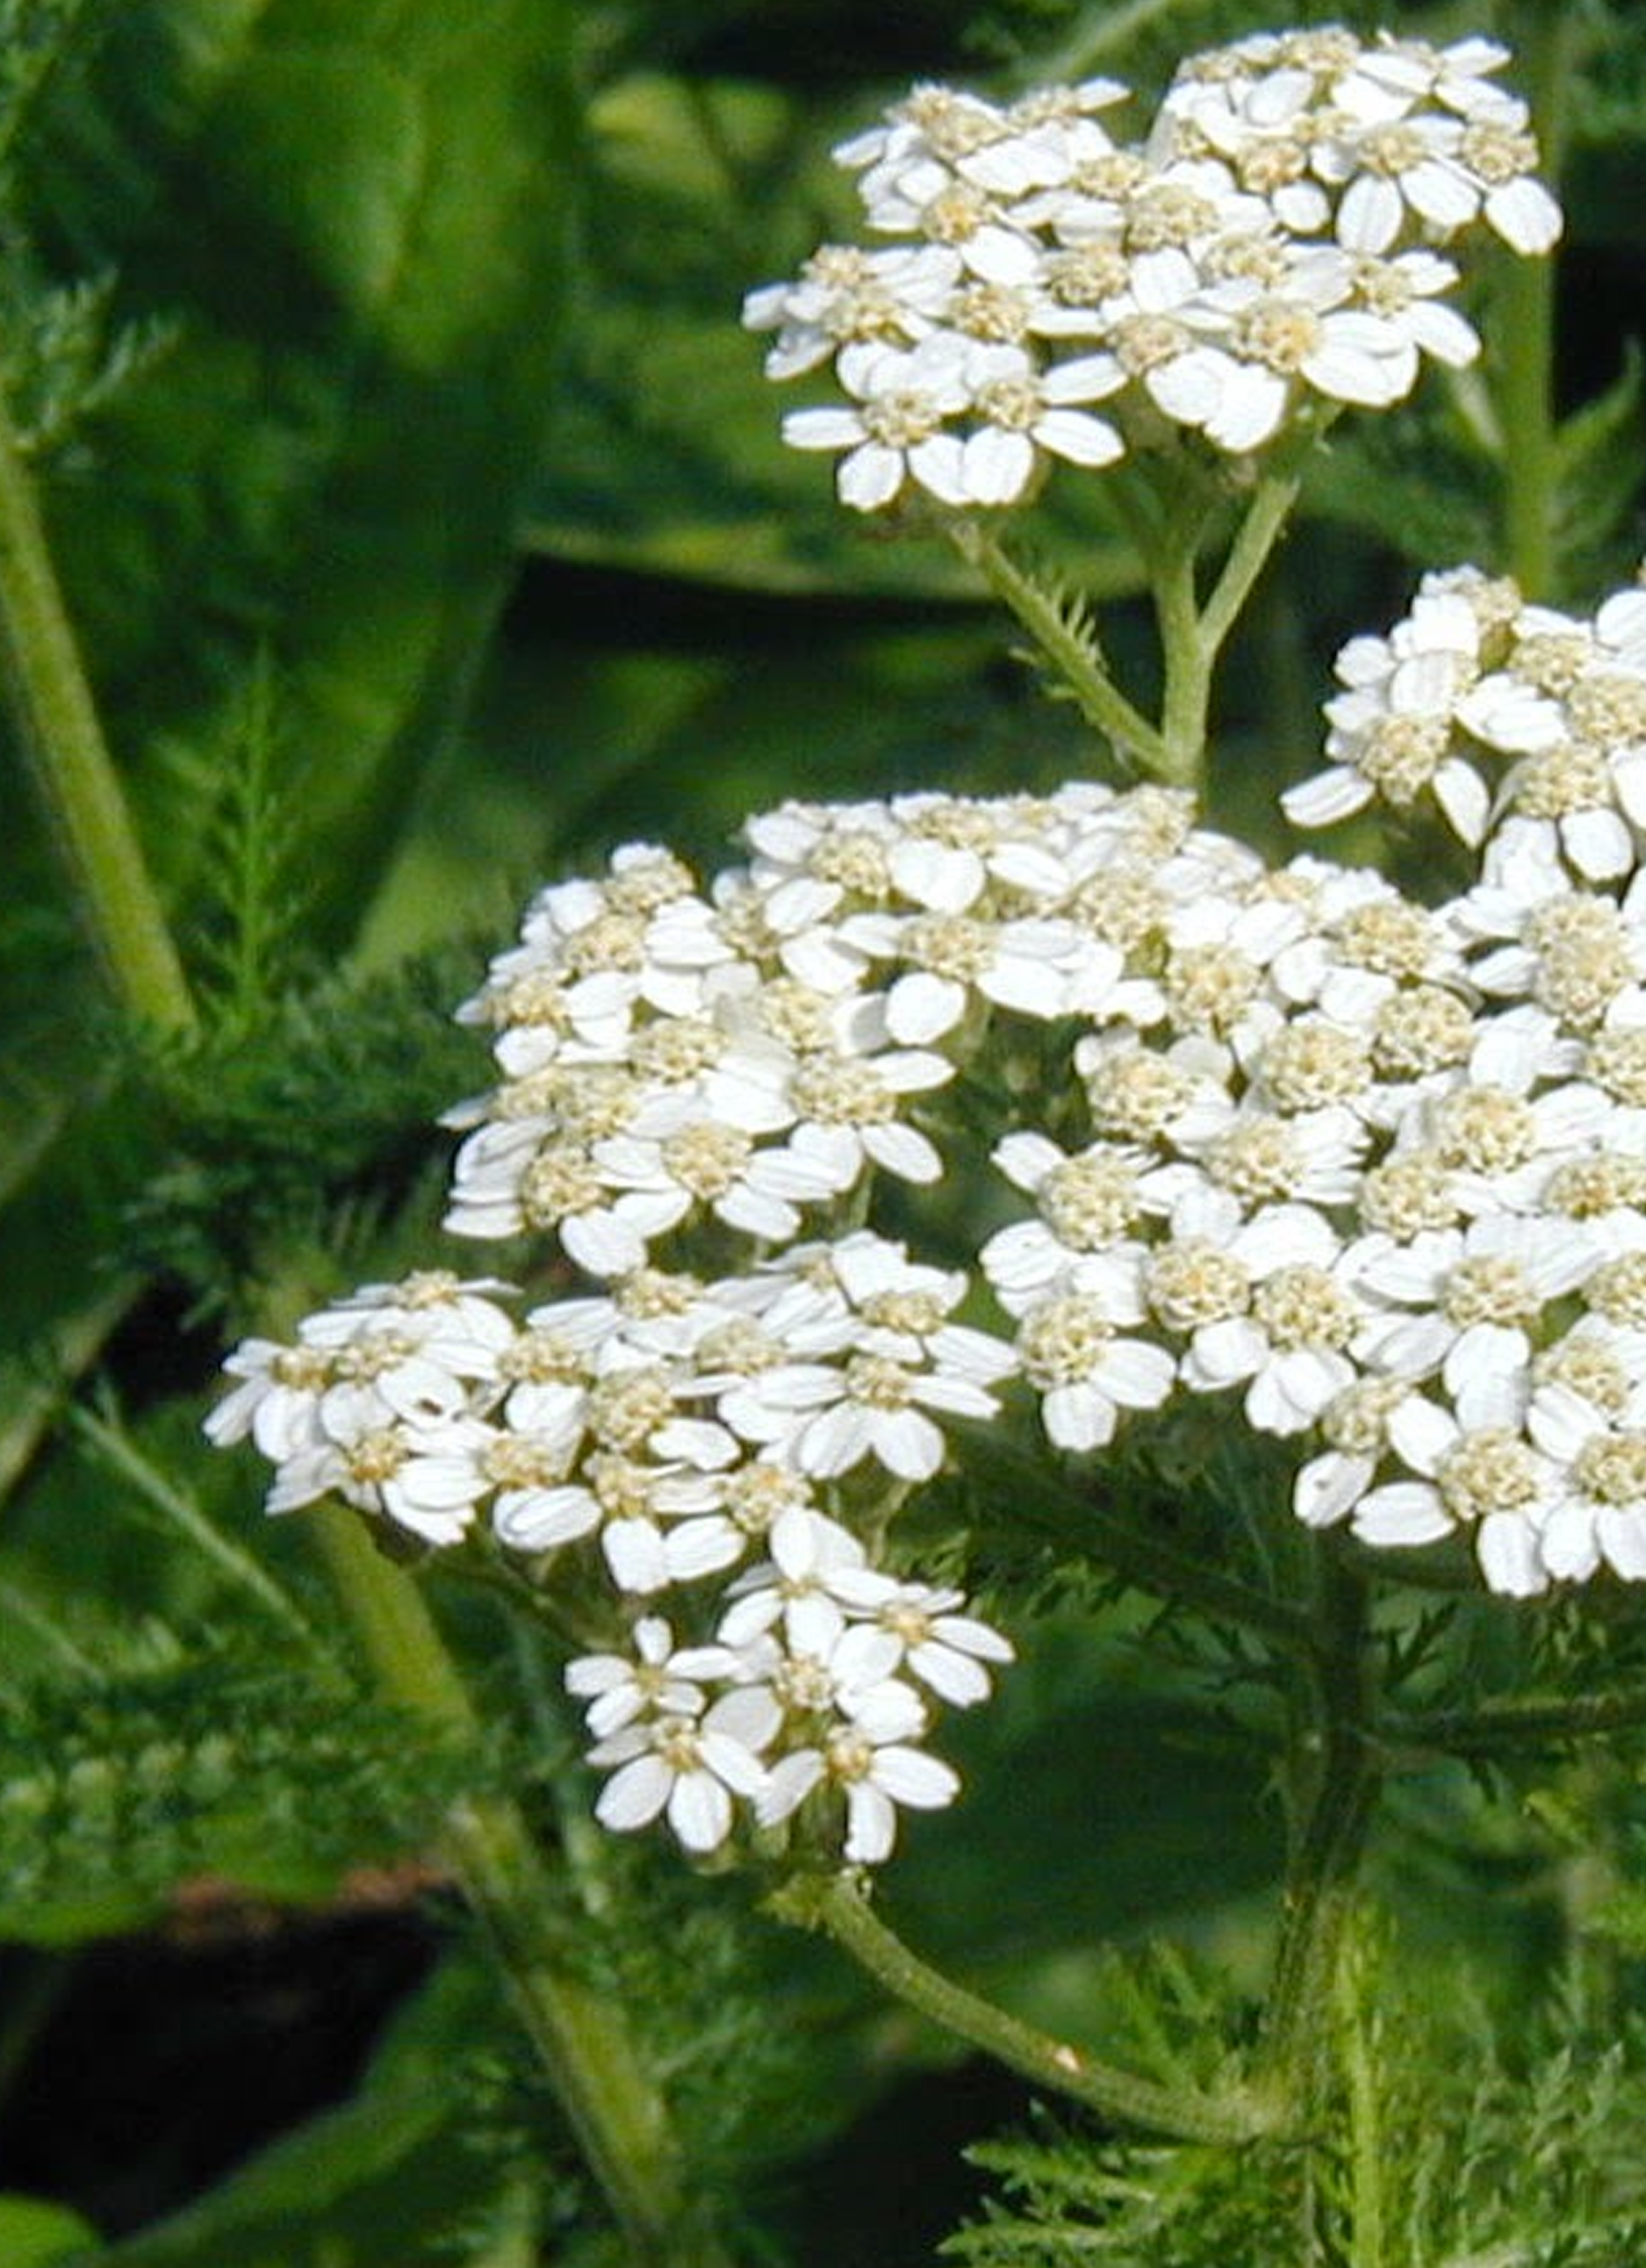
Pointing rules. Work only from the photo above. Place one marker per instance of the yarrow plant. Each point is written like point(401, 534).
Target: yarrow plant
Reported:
point(941, 1128)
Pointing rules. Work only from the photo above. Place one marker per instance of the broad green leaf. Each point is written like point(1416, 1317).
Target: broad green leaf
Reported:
point(359, 219)
point(35, 2233)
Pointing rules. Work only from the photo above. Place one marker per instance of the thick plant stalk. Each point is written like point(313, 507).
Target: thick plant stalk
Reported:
point(56, 723)
point(583, 2041)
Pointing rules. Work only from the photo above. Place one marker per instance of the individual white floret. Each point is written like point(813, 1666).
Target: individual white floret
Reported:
point(1476, 1296)
point(658, 1676)
point(875, 1775)
point(844, 296)
point(687, 1765)
point(898, 430)
point(1475, 1471)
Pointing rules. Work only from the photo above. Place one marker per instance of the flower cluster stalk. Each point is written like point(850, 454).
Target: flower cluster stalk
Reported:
point(841, 1906)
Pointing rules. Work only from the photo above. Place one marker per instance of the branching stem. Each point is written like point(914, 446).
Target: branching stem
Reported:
point(1078, 663)
point(841, 1906)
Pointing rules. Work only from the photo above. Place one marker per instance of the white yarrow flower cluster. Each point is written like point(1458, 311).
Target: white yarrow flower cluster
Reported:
point(1050, 292)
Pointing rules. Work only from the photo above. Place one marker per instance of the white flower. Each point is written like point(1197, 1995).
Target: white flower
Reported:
point(876, 1776)
point(1477, 1470)
point(827, 1419)
point(659, 1677)
point(920, 1628)
point(688, 1765)
point(906, 399)
point(1598, 1511)
point(1479, 1293)
point(1084, 1371)
point(1015, 410)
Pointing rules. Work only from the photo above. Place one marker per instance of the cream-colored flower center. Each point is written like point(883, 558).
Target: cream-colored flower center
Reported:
point(950, 945)
point(916, 1313)
point(1608, 706)
point(1089, 1202)
point(1260, 1157)
point(1408, 1194)
point(1356, 1422)
point(1421, 1030)
point(879, 1383)
point(1064, 1340)
point(1488, 1288)
point(1617, 1064)
point(1195, 1283)
point(1301, 1306)
point(1279, 335)
point(842, 1091)
point(1387, 936)
point(559, 1181)
point(707, 1159)
point(1611, 1468)
point(756, 1494)
point(519, 1460)
point(1497, 154)
point(1587, 1366)
point(1314, 1063)
point(1210, 986)
point(627, 1406)
point(1489, 1470)
point(1618, 1289)
point(1400, 755)
point(613, 939)
point(676, 1049)
point(993, 311)
point(647, 885)
point(376, 1457)
point(540, 1357)
point(1485, 1130)
point(902, 417)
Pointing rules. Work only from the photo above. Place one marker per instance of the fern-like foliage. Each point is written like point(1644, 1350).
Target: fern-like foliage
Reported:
point(1461, 2158)
point(114, 1794)
point(266, 1135)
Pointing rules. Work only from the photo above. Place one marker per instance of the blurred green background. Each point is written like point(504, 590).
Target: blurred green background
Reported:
point(419, 506)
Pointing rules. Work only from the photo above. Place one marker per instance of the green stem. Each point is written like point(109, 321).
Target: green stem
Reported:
point(1136, 1552)
point(613, 2105)
point(1078, 660)
point(1333, 1793)
point(1366, 2146)
point(1185, 659)
point(1547, 45)
point(1512, 1725)
point(56, 726)
point(841, 1906)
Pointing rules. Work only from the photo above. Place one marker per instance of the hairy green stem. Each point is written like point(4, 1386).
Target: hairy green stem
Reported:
point(1499, 1726)
point(583, 2040)
point(56, 723)
point(1546, 39)
point(1138, 1553)
point(1366, 2148)
point(839, 1905)
point(1333, 1791)
point(1137, 745)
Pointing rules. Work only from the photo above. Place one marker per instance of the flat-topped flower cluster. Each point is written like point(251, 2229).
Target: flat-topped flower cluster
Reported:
point(1373, 1168)
point(1270, 241)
